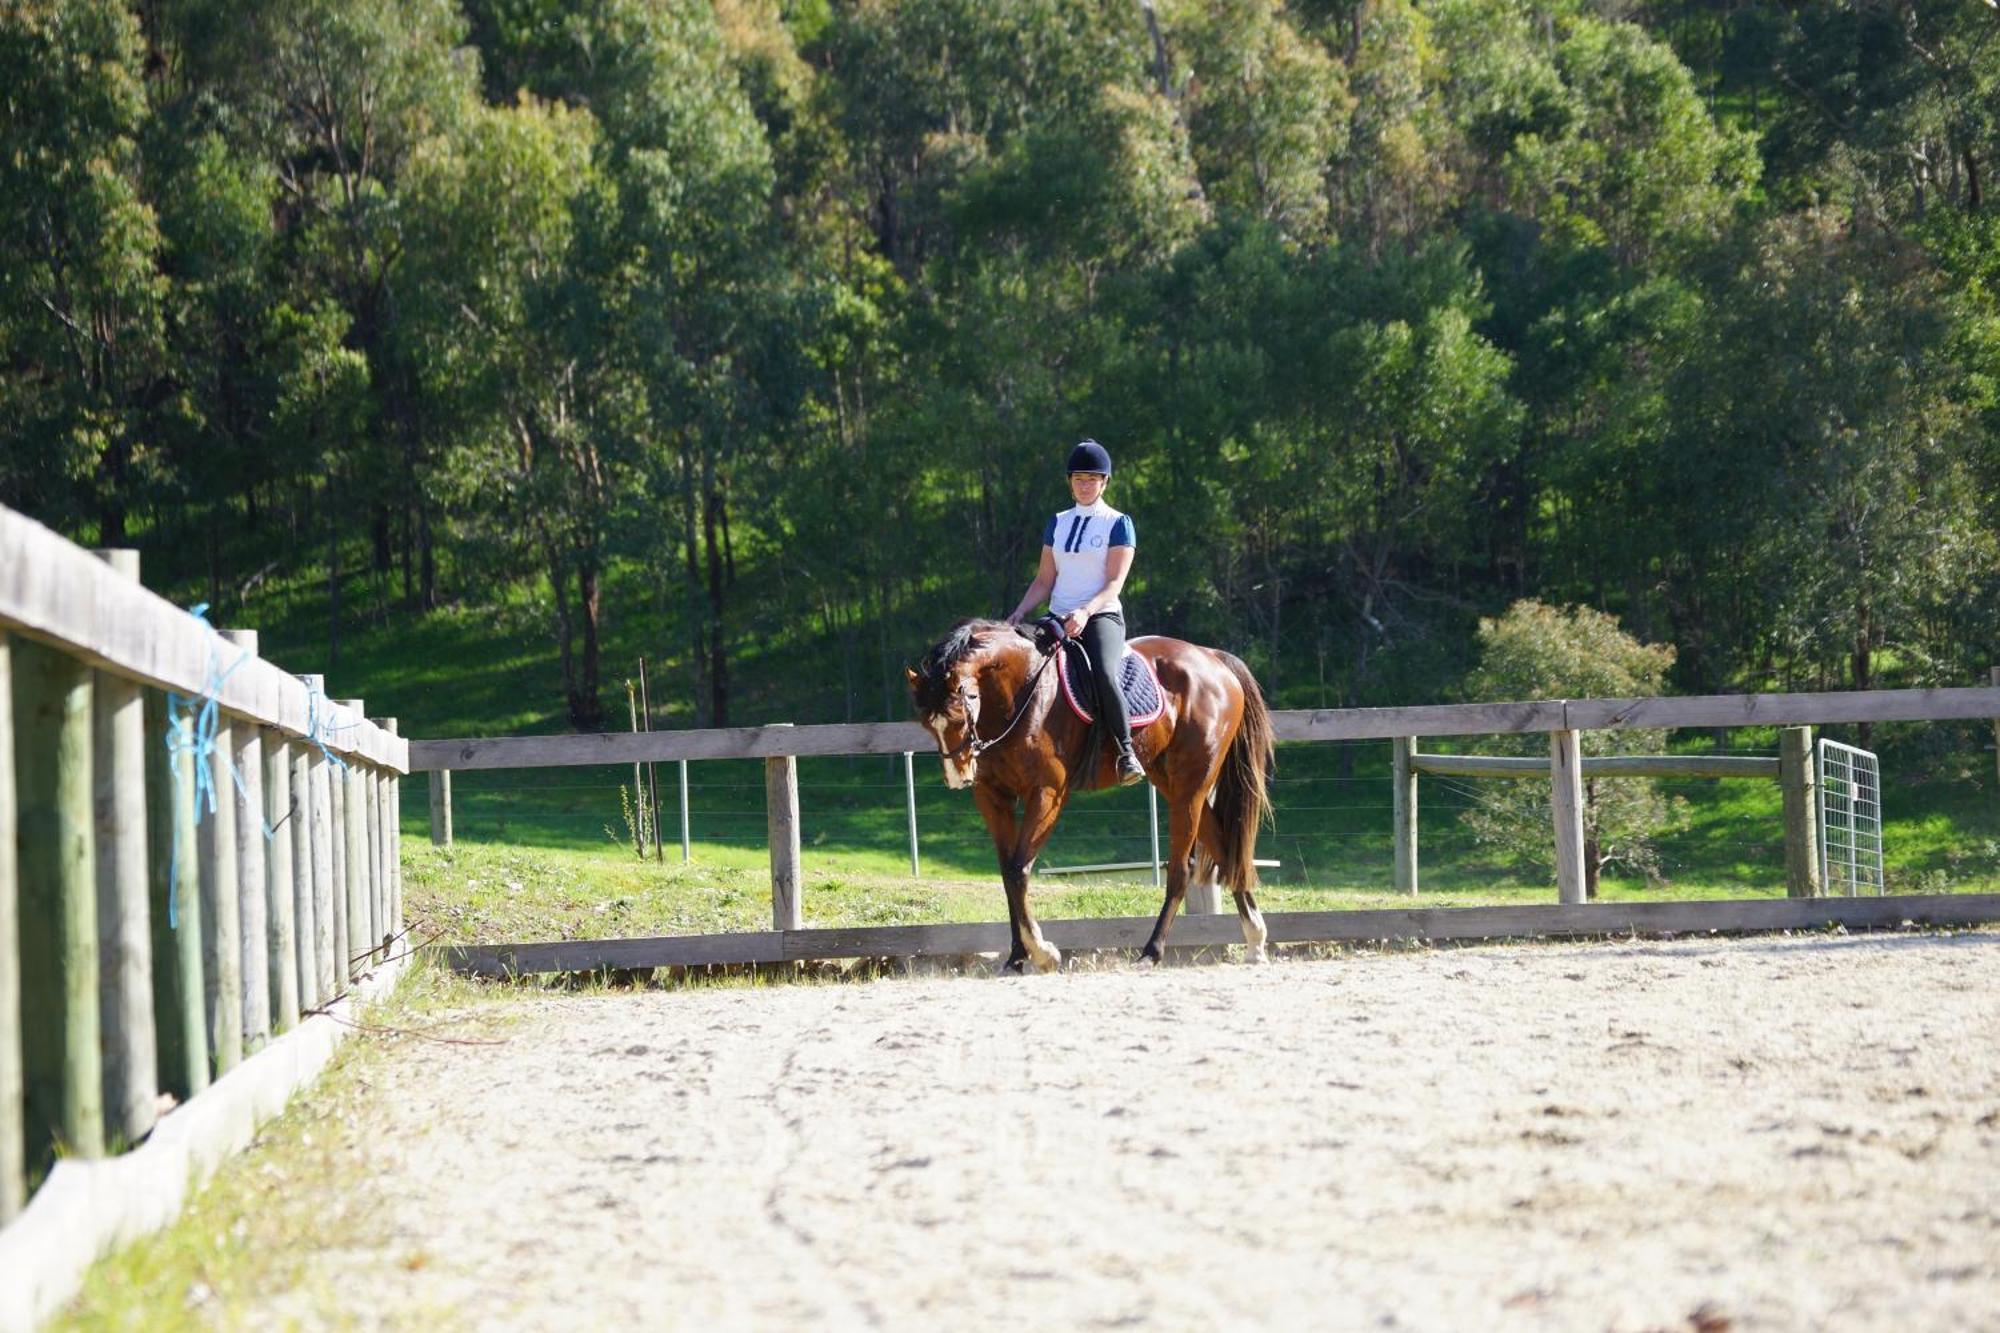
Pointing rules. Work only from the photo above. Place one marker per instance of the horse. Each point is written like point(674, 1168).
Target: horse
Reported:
point(984, 692)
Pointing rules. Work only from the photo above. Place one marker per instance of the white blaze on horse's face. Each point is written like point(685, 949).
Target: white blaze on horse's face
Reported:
point(956, 729)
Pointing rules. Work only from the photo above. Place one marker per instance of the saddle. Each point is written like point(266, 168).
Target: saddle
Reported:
point(1144, 700)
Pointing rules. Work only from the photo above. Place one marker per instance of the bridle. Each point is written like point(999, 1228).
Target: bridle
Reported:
point(973, 745)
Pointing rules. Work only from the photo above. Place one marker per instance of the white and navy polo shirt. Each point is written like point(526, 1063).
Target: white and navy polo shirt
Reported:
point(1081, 537)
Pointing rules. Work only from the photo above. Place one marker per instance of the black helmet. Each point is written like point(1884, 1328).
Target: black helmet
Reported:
point(1090, 457)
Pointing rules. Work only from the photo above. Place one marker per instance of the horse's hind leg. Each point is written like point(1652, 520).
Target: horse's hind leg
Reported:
point(1254, 934)
point(1183, 822)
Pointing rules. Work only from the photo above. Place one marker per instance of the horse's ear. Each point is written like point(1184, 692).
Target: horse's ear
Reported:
point(910, 676)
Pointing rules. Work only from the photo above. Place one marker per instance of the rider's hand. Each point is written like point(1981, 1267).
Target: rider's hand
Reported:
point(1074, 622)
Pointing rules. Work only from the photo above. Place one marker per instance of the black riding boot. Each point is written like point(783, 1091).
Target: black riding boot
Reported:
point(1104, 639)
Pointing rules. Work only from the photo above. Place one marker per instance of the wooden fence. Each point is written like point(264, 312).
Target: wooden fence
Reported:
point(181, 878)
point(1562, 719)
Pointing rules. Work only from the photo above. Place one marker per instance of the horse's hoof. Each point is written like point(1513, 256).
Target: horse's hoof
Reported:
point(1256, 956)
point(1146, 962)
point(1013, 967)
point(1051, 959)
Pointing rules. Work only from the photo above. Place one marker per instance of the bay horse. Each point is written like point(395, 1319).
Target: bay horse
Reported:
point(1003, 731)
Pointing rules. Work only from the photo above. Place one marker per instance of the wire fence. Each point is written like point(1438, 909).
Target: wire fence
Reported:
point(1332, 826)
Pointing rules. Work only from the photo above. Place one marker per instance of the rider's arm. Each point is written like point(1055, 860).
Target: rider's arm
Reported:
point(1038, 591)
point(1117, 564)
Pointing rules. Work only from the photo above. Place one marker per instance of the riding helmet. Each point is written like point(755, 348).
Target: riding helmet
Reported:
point(1090, 457)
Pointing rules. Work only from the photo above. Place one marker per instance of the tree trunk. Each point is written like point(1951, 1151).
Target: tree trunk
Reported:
point(697, 624)
point(587, 710)
point(426, 557)
point(1863, 663)
point(565, 628)
point(718, 651)
point(1593, 864)
point(332, 593)
point(407, 531)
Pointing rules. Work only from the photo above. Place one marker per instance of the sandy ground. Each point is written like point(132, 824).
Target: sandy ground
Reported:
point(1765, 1133)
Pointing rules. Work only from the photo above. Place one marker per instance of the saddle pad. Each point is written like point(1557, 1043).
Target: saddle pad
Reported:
point(1144, 701)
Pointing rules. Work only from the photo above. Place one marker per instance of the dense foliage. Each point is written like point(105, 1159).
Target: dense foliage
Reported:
point(1392, 312)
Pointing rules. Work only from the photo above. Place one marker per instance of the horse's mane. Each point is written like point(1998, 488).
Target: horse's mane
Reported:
point(967, 637)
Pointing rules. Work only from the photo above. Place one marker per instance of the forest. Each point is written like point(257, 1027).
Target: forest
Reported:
point(756, 331)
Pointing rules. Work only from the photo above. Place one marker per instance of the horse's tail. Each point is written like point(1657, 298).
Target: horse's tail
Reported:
point(1242, 791)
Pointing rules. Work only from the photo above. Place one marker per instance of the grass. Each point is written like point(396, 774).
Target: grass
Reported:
point(253, 1229)
point(546, 854)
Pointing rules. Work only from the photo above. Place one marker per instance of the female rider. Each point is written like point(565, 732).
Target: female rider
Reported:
point(1086, 555)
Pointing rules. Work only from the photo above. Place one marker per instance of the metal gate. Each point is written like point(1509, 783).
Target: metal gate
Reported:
point(1850, 818)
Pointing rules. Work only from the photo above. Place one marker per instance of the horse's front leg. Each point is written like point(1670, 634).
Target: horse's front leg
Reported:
point(1183, 819)
point(1038, 820)
point(996, 807)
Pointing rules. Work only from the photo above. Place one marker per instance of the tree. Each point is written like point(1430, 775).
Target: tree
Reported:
point(82, 370)
point(501, 324)
point(1536, 651)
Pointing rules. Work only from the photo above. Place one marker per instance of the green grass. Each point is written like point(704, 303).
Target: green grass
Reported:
point(546, 854)
point(250, 1232)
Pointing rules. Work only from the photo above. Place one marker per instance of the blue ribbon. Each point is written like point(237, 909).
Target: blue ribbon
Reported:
point(192, 728)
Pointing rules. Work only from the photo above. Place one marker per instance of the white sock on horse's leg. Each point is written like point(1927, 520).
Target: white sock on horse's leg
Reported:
point(1045, 956)
point(1254, 933)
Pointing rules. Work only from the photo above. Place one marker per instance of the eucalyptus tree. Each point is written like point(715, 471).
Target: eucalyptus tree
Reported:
point(1830, 385)
point(82, 350)
point(664, 294)
point(1267, 107)
point(1894, 108)
point(514, 375)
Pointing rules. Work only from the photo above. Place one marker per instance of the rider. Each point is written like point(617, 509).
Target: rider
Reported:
point(1086, 555)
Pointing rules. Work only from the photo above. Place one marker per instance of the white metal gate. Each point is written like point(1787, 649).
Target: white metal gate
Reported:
point(1850, 818)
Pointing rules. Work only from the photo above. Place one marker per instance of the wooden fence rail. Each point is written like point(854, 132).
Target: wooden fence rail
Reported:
point(161, 906)
point(1565, 768)
point(1547, 715)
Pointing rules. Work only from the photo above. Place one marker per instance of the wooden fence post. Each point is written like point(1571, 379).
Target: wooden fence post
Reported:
point(221, 914)
point(392, 786)
point(280, 883)
point(439, 782)
point(378, 865)
point(180, 1013)
point(320, 785)
point(337, 843)
point(246, 792)
point(354, 820)
point(781, 804)
point(124, 929)
point(1403, 799)
point(63, 1074)
point(305, 919)
point(1800, 784)
point(1566, 803)
point(13, 1165)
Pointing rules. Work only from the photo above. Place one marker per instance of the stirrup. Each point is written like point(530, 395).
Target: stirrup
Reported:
point(1130, 770)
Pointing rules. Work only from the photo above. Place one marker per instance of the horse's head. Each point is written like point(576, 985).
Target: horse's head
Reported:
point(944, 692)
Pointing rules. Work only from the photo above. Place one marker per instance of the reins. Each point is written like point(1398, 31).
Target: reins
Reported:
point(973, 745)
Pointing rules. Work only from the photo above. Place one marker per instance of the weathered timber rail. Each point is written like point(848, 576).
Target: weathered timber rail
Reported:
point(1565, 768)
point(148, 945)
point(1546, 715)
point(1435, 924)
